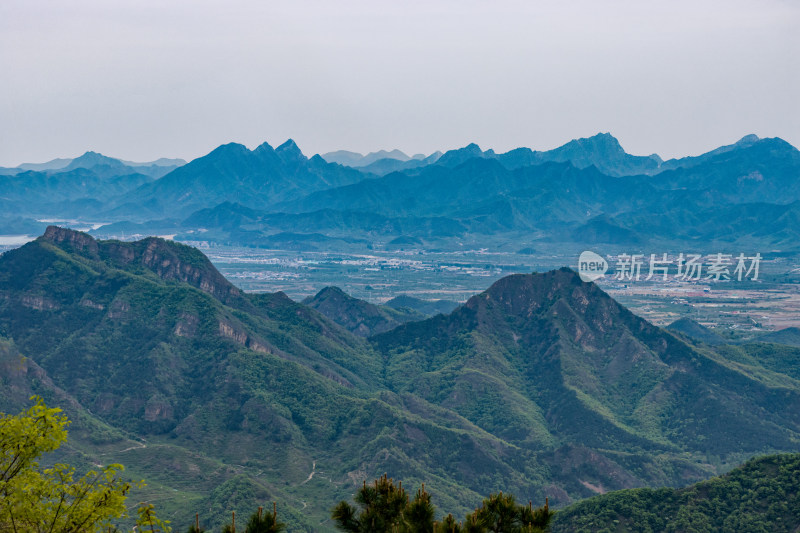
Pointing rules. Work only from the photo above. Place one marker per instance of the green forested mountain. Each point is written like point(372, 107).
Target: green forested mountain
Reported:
point(541, 386)
point(696, 331)
point(357, 316)
point(762, 496)
point(203, 388)
point(789, 336)
point(548, 360)
point(426, 307)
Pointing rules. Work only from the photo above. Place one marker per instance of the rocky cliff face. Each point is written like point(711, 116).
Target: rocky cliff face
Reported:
point(170, 261)
point(75, 240)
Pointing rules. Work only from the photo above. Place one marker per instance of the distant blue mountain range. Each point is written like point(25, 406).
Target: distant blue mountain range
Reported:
point(588, 190)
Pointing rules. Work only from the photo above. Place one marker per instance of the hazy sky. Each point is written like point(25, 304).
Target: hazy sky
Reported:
point(144, 79)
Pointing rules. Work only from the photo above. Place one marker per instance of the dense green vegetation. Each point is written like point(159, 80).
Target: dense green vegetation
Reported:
point(763, 496)
point(426, 307)
point(51, 499)
point(386, 507)
point(542, 386)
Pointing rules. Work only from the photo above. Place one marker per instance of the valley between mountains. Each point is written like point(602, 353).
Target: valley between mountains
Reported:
point(542, 385)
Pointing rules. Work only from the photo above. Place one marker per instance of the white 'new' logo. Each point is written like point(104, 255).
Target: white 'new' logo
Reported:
point(591, 266)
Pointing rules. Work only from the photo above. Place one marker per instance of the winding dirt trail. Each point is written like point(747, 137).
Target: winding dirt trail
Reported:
point(140, 446)
point(311, 475)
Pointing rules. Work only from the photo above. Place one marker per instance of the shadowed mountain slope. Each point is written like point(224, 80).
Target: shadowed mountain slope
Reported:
point(426, 307)
point(787, 336)
point(484, 191)
point(696, 331)
point(358, 316)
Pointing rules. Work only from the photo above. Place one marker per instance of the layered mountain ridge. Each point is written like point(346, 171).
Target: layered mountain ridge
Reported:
point(542, 385)
point(263, 176)
point(586, 191)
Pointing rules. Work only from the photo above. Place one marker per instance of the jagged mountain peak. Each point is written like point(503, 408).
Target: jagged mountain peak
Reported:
point(472, 148)
point(605, 152)
point(538, 300)
point(75, 239)
point(288, 146)
point(453, 158)
point(603, 143)
point(738, 154)
point(231, 172)
point(605, 137)
point(264, 147)
point(289, 151)
point(567, 335)
point(92, 159)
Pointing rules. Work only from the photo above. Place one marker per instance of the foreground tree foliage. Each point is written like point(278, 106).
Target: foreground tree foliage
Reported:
point(33, 499)
point(500, 512)
point(148, 521)
point(385, 507)
point(261, 522)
